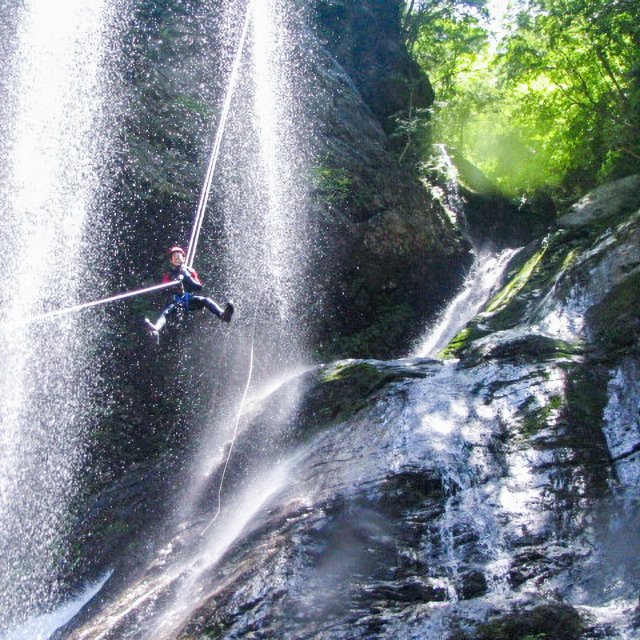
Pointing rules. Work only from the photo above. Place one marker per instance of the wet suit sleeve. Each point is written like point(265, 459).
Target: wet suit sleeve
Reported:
point(171, 277)
point(190, 279)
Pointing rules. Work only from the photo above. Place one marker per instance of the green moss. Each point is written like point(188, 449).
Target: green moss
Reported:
point(349, 385)
point(535, 420)
point(460, 342)
point(333, 184)
point(343, 390)
point(516, 284)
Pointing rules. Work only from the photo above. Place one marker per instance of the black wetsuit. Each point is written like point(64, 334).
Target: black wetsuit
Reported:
point(187, 300)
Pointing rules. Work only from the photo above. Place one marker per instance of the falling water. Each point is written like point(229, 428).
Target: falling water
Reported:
point(481, 281)
point(266, 230)
point(262, 189)
point(258, 208)
point(52, 85)
point(260, 193)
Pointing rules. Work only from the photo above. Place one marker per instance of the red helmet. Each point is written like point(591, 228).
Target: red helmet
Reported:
point(176, 250)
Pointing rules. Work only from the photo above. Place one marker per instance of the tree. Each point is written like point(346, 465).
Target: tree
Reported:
point(556, 105)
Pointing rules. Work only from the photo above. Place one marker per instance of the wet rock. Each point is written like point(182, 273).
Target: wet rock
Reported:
point(621, 196)
point(556, 621)
point(346, 387)
point(473, 584)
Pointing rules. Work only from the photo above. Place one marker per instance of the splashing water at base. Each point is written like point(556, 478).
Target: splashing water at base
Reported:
point(44, 626)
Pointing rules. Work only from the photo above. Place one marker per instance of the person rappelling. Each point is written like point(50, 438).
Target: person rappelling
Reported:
point(185, 300)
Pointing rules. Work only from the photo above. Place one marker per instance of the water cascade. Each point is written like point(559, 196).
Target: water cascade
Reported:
point(261, 189)
point(257, 206)
point(51, 142)
point(483, 278)
point(265, 245)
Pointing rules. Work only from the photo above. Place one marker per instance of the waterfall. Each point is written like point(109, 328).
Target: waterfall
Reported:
point(257, 231)
point(265, 228)
point(52, 92)
point(260, 192)
point(483, 279)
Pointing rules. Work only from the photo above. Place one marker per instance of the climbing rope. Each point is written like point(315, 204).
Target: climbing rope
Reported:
point(87, 305)
point(236, 426)
point(215, 151)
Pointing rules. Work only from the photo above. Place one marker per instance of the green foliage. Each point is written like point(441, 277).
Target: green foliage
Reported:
point(332, 184)
point(555, 104)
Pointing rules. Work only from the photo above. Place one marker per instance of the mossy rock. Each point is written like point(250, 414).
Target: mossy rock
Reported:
point(461, 342)
point(535, 420)
point(528, 349)
point(338, 391)
point(533, 274)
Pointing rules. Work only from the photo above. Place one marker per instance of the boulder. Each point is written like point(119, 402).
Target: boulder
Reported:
point(610, 199)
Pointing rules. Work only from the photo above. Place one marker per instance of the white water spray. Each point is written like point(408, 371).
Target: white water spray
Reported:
point(483, 278)
point(53, 85)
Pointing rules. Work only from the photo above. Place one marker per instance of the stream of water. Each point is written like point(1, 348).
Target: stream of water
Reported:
point(481, 281)
point(51, 158)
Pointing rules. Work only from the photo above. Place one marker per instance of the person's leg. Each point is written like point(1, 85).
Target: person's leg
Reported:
point(160, 323)
point(200, 302)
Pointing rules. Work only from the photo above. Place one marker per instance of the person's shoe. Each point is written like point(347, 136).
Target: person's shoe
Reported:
point(153, 331)
point(228, 312)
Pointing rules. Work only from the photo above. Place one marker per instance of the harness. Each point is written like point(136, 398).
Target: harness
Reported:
point(182, 301)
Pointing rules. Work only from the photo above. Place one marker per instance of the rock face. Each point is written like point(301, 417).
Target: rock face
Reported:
point(366, 40)
point(492, 494)
point(371, 209)
point(601, 204)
